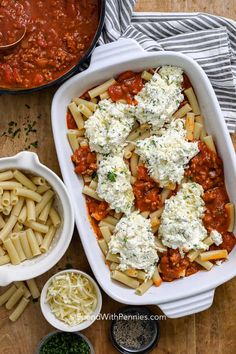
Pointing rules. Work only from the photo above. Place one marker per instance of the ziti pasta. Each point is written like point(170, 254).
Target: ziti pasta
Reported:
point(17, 296)
point(26, 210)
point(153, 180)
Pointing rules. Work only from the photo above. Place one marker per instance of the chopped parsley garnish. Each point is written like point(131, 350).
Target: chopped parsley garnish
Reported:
point(30, 128)
point(15, 132)
point(12, 124)
point(111, 176)
point(12, 130)
point(153, 142)
point(95, 176)
point(62, 342)
point(34, 144)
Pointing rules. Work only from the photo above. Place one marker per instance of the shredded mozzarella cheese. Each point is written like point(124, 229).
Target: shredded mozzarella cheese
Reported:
point(72, 298)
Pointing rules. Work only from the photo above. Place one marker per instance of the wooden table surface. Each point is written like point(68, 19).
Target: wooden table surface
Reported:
point(212, 331)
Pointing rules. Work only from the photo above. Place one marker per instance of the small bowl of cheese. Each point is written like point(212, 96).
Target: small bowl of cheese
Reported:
point(71, 300)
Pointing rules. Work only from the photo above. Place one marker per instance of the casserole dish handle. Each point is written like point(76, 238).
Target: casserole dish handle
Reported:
point(120, 50)
point(189, 305)
point(28, 158)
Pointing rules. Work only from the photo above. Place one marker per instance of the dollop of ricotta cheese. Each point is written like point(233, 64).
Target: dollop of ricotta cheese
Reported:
point(160, 97)
point(134, 241)
point(109, 126)
point(114, 183)
point(216, 237)
point(181, 221)
point(171, 74)
point(166, 156)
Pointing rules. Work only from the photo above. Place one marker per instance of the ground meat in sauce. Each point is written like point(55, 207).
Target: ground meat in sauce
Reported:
point(172, 266)
point(70, 121)
point(206, 168)
point(146, 192)
point(128, 85)
point(97, 209)
point(85, 161)
point(58, 34)
point(216, 217)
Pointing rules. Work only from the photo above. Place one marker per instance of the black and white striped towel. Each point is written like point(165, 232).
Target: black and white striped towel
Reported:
point(210, 40)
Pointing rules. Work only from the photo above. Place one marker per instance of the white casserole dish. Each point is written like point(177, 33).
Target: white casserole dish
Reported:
point(181, 297)
point(29, 162)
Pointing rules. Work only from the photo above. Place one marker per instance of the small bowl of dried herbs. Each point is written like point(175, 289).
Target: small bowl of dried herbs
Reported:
point(65, 343)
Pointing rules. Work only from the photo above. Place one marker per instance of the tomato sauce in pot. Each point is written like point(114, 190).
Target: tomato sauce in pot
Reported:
point(59, 32)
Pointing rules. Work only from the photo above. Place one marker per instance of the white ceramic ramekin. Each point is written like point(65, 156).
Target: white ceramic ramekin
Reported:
point(29, 162)
point(184, 296)
point(62, 326)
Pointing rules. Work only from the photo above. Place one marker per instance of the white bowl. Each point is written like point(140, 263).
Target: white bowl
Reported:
point(62, 326)
point(184, 296)
point(29, 162)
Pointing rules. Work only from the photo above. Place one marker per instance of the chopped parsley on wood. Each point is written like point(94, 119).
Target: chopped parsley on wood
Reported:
point(27, 130)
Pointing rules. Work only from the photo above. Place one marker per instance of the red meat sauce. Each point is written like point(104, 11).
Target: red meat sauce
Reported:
point(58, 34)
point(146, 191)
point(173, 266)
point(98, 210)
point(85, 161)
point(70, 121)
point(128, 85)
point(206, 168)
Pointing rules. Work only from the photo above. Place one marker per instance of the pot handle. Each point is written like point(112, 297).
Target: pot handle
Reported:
point(189, 305)
point(122, 49)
